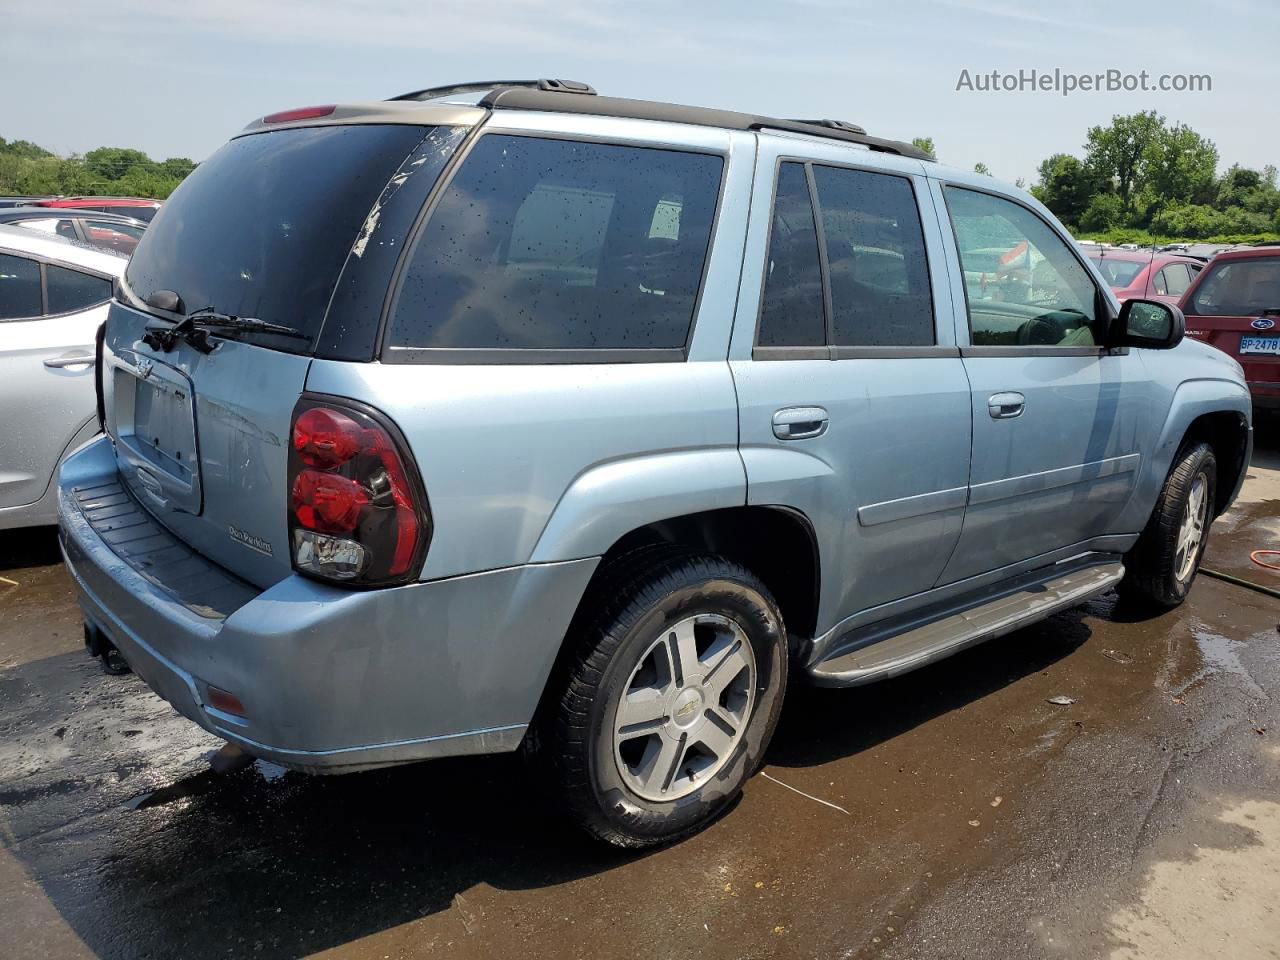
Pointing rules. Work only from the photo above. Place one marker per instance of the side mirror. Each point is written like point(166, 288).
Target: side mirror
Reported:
point(1148, 323)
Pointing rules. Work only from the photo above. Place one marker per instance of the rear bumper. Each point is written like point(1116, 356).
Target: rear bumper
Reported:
point(332, 680)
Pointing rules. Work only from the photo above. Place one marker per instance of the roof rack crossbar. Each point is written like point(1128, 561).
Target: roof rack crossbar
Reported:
point(548, 85)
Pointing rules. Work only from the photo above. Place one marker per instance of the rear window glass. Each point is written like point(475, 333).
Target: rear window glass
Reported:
point(791, 313)
point(561, 245)
point(72, 290)
point(879, 274)
point(1238, 288)
point(262, 228)
point(1118, 273)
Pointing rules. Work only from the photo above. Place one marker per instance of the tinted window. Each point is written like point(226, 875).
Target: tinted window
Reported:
point(1024, 285)
point(879, 275)
point(19, 287)
point(72, 290)
point(554, 244)
point(1172, 281)
point(146, 214)
point(1238, 288)
point(791, 313)
point(262, 228)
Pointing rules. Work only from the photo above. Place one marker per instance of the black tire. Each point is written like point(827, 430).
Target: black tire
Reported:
point(1151, 567)
point(633, 604)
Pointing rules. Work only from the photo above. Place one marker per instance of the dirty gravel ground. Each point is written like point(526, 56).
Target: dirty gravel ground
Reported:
point(978, 820)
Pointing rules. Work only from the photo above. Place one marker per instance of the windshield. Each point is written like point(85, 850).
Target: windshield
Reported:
point(262, 228)
point(1118, 273)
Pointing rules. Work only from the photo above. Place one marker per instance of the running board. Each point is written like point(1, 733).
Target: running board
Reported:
point(929, 642)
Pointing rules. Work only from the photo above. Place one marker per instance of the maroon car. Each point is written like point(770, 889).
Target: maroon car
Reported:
point(1147, 276)
point(140, 208)
point(1235, 306)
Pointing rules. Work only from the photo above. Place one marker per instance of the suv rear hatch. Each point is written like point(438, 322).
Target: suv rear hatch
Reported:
point(287, 226)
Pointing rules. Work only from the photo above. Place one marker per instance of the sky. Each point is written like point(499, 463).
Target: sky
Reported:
point(178, 78)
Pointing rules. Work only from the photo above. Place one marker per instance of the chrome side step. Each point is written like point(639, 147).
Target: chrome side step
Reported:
point(925, 643)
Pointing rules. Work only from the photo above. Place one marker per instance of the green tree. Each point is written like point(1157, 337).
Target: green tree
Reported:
point(1065, 186)
point(982, 168)
point(112, 163)
point(925, 144)
point(1178, 166)
point(1116, 153)
point(1105, 210)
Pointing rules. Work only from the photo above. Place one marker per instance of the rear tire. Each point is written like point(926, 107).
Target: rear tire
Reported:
point(668, 697)
point(1161, 567)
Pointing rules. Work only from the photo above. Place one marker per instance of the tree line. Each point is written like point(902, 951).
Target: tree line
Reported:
point(27, 169)
point(1142, 179)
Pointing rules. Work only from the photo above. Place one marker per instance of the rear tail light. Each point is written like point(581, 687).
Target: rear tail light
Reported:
point(357, 512)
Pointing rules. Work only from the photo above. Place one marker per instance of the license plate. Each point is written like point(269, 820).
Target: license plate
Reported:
point(1260, 345)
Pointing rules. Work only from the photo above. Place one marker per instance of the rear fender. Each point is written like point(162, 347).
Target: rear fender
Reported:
point(611, 499)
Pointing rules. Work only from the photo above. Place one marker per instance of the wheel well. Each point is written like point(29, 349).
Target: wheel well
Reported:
point(775, 543)
point(1228, 434)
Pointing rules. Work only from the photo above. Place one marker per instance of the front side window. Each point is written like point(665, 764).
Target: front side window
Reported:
point(19, 287)
point(1024, 285)
point(72, 290)
point(876, 262)
point(114, 236)
point(1238, 288)
point(791, 314)
point(561, 245)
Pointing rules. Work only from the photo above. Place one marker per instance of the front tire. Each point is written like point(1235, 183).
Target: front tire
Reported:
point(669, 696)
point(1161, 567)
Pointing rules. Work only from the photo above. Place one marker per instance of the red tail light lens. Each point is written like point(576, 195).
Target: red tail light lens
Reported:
point(301, 113)
point(357, 512)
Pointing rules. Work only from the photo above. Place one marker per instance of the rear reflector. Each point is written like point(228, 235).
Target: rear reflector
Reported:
point(226, 702)
point(301, 113)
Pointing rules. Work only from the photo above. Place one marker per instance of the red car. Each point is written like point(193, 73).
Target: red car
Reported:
point(136, 207)
point(1139, 273)
point(1235, 306)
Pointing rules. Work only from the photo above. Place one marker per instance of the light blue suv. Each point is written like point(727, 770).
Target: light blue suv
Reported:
point(509, 415)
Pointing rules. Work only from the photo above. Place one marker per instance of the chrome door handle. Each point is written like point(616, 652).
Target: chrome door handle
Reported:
point(799, 423)
point(1006, 406)
point(71, 360)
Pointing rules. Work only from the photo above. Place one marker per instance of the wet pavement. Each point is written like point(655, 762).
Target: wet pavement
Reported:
point(954, 812)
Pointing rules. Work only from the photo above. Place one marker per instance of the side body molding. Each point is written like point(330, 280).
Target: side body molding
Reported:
point(611, 499)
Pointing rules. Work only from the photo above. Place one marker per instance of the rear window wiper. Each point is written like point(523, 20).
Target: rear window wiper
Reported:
point(196, 326)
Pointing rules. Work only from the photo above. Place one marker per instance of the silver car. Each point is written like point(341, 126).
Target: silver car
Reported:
point(521, 417)
point(53, 297)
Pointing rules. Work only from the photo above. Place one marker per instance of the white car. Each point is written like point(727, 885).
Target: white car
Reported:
point(54, 294)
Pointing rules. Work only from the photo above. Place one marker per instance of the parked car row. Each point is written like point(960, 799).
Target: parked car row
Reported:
point(106, 230)
point(139, 208)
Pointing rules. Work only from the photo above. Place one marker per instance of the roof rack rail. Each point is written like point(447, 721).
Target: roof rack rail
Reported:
point(844, 125)
point(547, 85)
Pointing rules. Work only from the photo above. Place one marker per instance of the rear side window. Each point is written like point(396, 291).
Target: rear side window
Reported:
point(1172, 281)
point(543, 244)
point(72, 290)
point(876, 262)
point(791, 314)
point(19, 287)
point(262, 228)
point(1238, 288)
